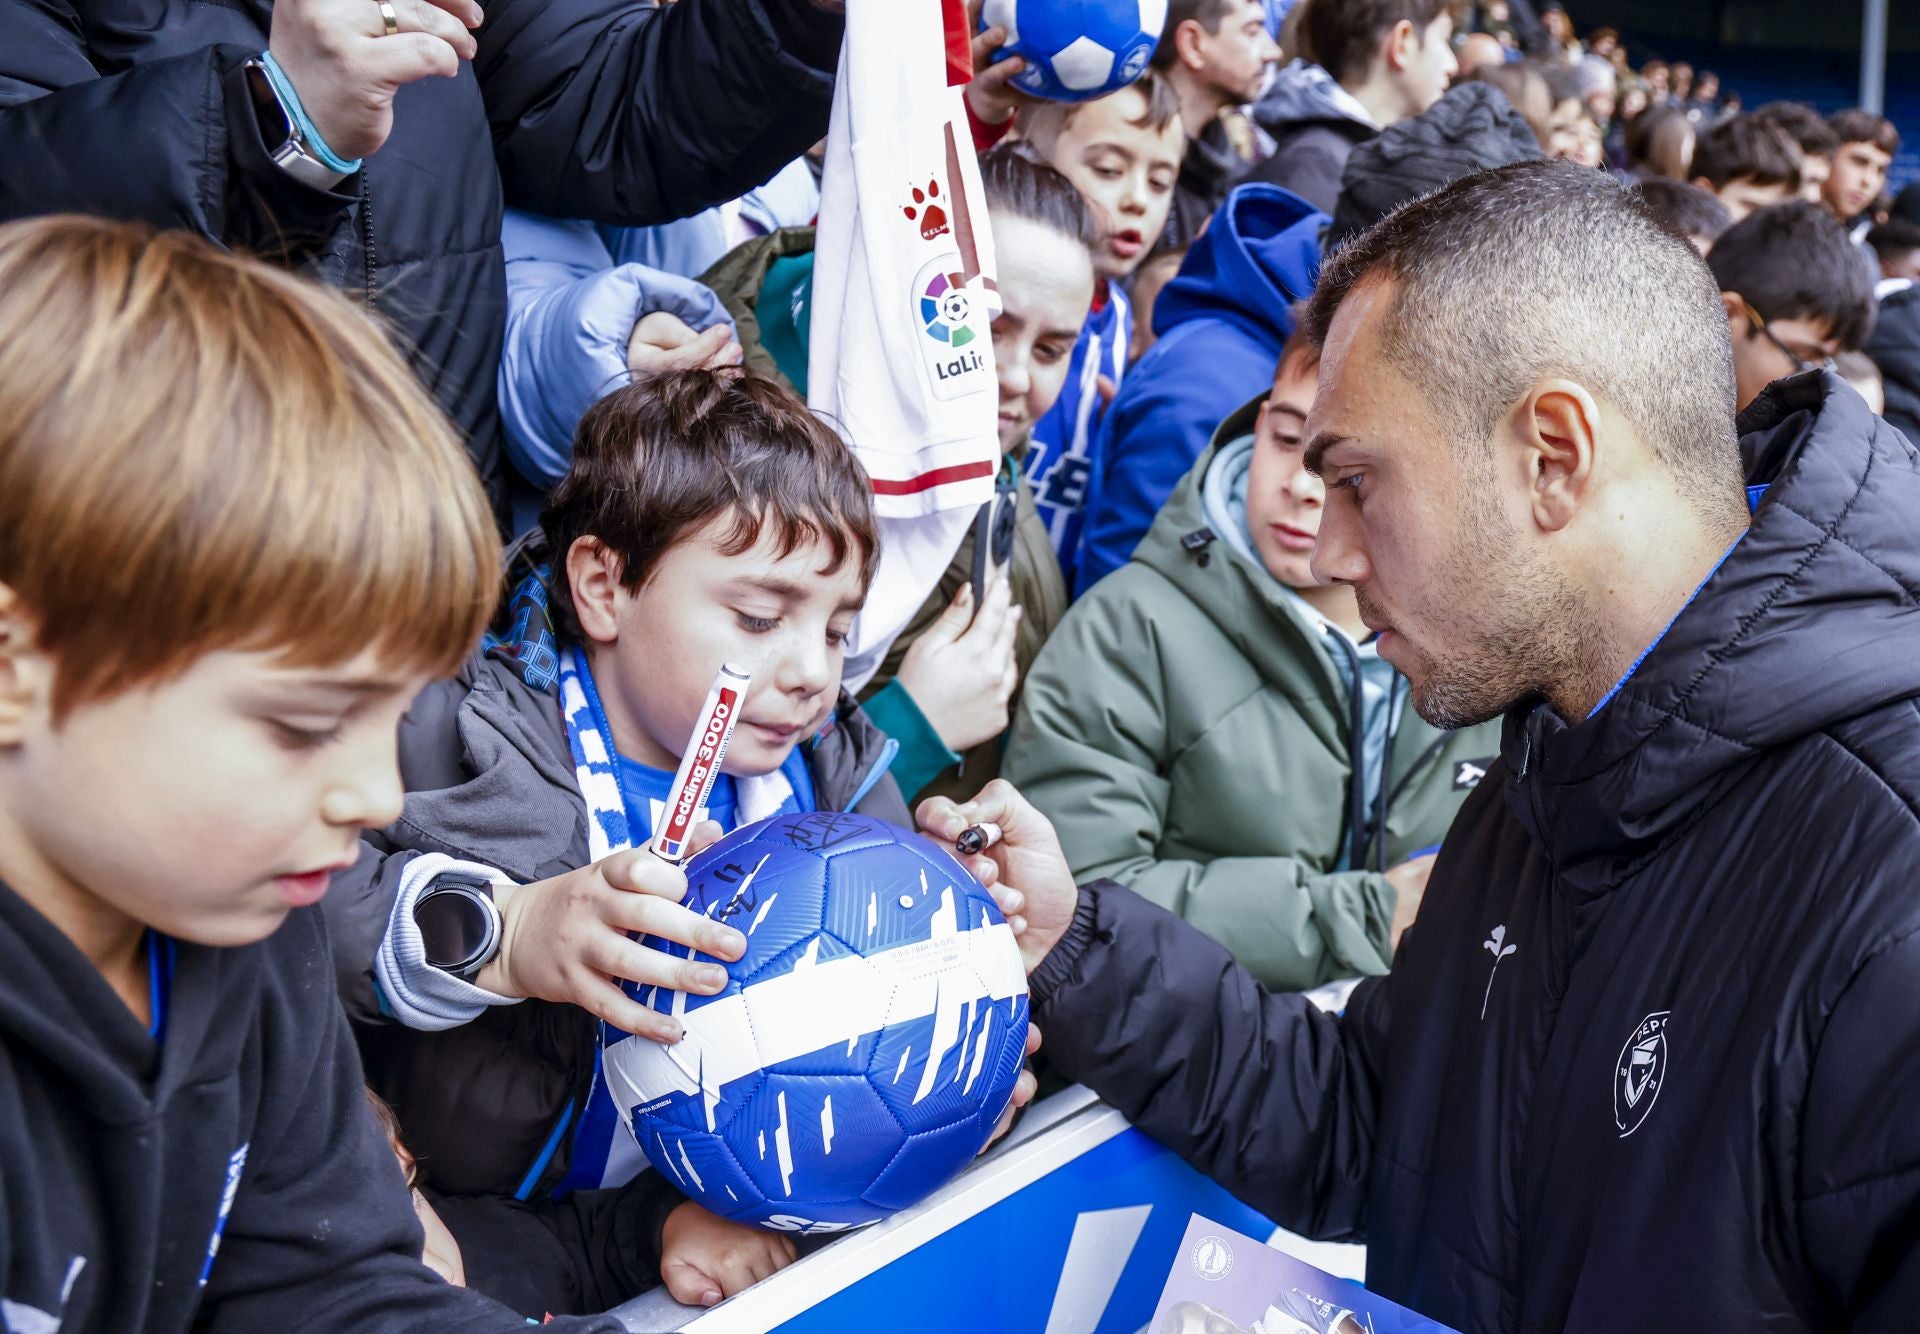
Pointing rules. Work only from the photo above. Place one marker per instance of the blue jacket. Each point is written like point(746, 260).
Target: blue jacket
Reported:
point(570, 311)
point(1061, 458)
point(1221, 322)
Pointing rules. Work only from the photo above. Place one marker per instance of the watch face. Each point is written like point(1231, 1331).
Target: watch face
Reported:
point(453, 926)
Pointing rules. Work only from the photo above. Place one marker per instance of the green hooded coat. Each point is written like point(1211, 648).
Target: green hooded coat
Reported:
point(1189, 733)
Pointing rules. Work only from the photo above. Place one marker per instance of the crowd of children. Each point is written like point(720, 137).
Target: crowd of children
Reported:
point(241, 550)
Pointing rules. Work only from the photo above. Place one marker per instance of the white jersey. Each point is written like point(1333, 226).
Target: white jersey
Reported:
point(901, 346)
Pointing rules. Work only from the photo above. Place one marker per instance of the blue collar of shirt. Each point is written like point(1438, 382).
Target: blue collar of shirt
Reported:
point(1754, 493)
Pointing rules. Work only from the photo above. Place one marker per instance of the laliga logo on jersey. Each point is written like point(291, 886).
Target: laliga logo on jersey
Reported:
point(1639, 1073)
point(953, 316)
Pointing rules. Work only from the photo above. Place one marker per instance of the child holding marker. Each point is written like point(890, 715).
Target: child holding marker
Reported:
point(707, 519)
point(236, 537)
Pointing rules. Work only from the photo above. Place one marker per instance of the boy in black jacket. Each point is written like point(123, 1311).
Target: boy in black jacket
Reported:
point(235, 539)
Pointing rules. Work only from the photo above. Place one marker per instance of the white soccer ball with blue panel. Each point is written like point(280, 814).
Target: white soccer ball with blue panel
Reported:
point(1077, 50)
point(864, 1047)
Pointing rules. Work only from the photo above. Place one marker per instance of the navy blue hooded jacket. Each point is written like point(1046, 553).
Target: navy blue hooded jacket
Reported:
point(1221, 324)
point(1650, 1058)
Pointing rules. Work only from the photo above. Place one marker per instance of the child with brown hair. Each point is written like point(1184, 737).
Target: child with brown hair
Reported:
point(236, 538)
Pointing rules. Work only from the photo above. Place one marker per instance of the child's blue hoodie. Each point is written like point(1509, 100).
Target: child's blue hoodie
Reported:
point(1221, 323)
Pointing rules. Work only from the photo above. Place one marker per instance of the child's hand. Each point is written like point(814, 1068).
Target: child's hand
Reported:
point(569, 939)
point(1024, 1087)
point(962, 676)
point(992, 98)
point(704, 1258)
point(663, 342)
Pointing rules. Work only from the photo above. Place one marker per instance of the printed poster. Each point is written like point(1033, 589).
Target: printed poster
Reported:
point(1224, 1282)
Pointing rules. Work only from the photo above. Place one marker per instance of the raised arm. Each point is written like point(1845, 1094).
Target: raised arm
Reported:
point(622, 112)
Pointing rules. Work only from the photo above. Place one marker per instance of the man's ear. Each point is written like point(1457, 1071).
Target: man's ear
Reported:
point(593, 577)
point(1186, 44)
point(26, 677)
point(1559, 428)
point(1736, 308)
point(1402, 44)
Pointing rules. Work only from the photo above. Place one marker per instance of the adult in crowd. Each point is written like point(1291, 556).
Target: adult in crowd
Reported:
point(372, 145)
point(1371, 64)
point(1214, 54)
point(1678, 912)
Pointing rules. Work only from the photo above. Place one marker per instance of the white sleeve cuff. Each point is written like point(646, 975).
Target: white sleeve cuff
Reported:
point(420, 995)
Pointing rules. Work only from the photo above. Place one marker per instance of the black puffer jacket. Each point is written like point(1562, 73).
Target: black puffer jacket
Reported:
point(1895, 348)
point(607, 109)
point(1650, 1059)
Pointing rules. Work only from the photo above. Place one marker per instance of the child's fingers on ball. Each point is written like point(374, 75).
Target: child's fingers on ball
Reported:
point(607, 1001)
point(670, 921)
point(1033, 1037)
point(640, 872)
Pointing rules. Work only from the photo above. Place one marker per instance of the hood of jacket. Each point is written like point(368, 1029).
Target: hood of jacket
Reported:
point(1811, 620)
point(1305, 94)
point(1260, 255)
point(1220, 574)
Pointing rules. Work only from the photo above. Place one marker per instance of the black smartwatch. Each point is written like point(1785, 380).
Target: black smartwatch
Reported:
point(459, 923)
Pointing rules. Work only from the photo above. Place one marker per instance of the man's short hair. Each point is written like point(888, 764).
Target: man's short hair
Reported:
point(1342, 35)
point(1807, 127)
point(1687, 209)
point(1794, 261)
point(1746, 148)
point(1207, 13)
point(1544, 269)
point(1043, 121)
point(655, 462)
point(1858, 126)
point(200, 453)
point(1893, 238)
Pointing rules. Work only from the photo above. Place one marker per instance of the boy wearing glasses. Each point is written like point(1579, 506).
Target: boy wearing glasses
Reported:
point(1795, 293)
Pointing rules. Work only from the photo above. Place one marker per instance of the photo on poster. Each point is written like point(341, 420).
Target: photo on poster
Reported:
point(1224, 1282)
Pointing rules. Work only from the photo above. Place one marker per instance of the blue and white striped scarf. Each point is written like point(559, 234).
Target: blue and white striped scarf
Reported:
point(601, 1156)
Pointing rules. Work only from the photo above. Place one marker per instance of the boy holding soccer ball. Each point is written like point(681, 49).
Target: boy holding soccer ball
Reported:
point(235, 538)
point(707, 518)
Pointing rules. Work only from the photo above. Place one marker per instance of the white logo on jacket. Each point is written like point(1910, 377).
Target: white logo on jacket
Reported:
point(1496, 945)
point(1639, 1073)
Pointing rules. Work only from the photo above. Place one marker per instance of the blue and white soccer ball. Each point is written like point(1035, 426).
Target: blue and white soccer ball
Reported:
point(1077, 49)
point(865, 1045)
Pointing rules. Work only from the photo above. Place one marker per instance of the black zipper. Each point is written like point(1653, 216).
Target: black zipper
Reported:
point(366, 236)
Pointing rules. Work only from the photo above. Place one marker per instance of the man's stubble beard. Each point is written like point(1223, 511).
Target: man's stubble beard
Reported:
point(1522, 630)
